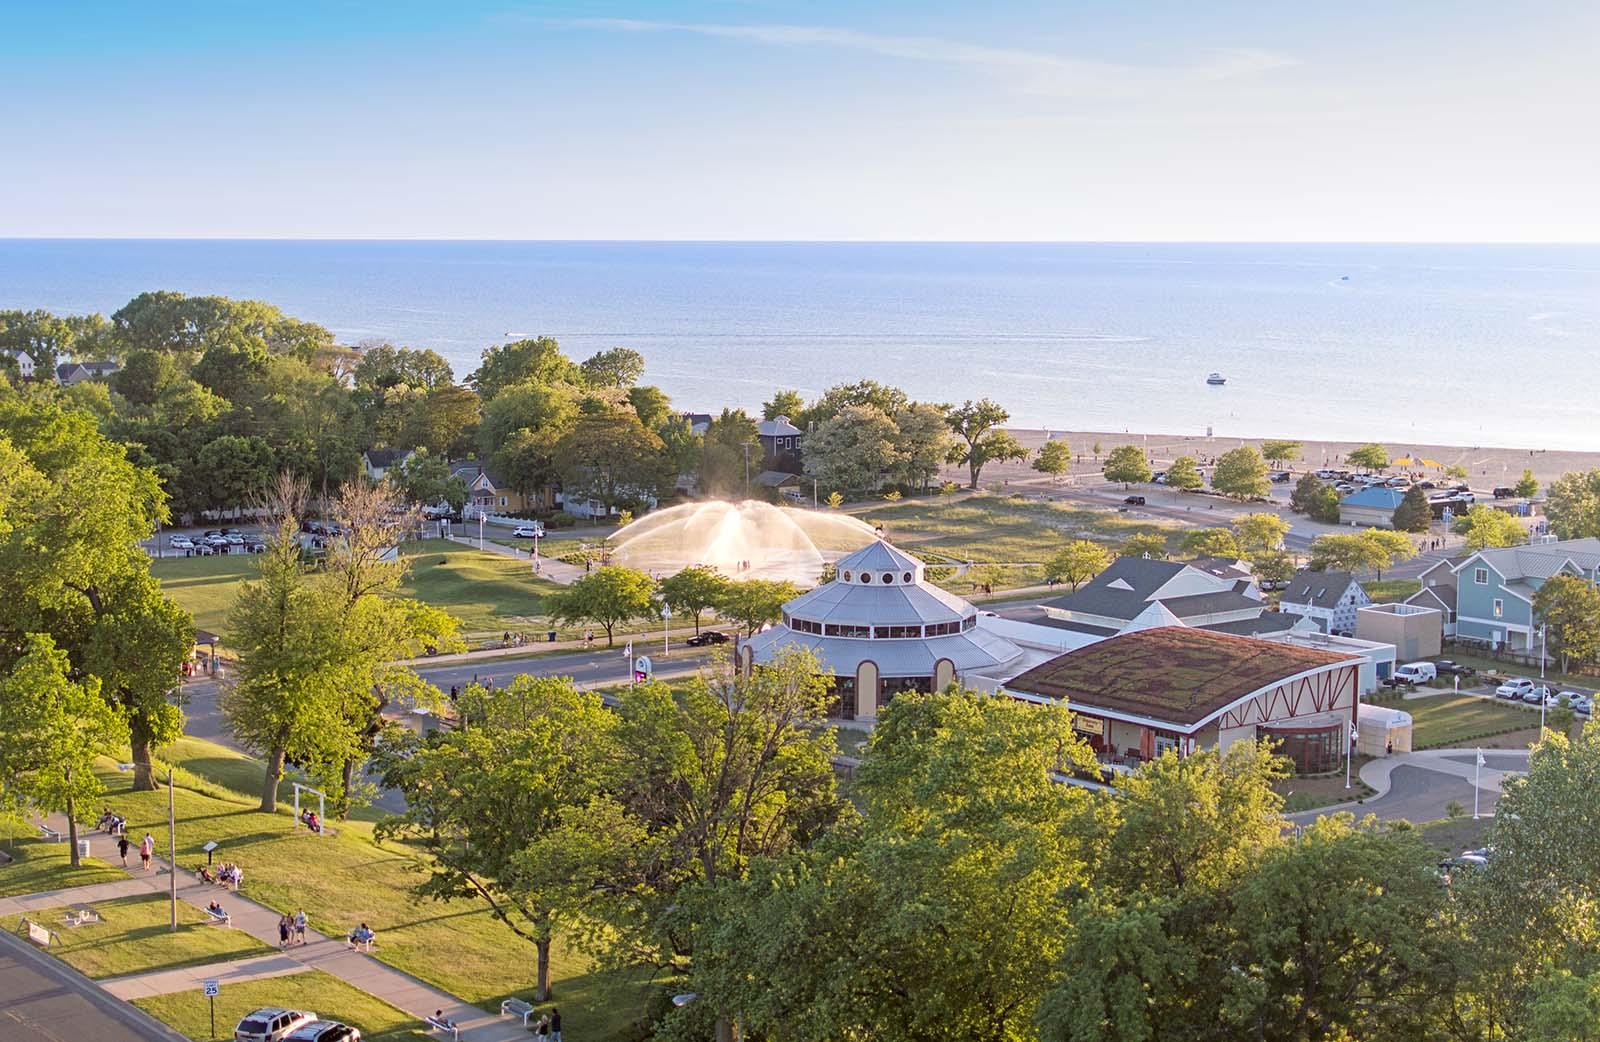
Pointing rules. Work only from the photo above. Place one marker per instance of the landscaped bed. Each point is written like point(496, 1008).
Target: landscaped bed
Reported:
point(134, 935)
point(189, 1012)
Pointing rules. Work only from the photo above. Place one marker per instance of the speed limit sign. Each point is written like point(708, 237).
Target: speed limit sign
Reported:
point(213, 987)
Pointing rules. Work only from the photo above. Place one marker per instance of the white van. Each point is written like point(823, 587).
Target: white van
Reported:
point(1417, 672)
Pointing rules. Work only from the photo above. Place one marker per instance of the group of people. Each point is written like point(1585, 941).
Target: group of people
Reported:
point(309, 819)
point(292, 928)
point(549, 1026)
point(514, 640)
point(362, 936)
point(228, 874)
point(147, 848)
point(112, 824)
point(215, 910)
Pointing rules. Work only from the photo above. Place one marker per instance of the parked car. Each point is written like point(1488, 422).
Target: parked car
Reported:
point(1396, 683)
point(1562, 698)
point(1280, 477)
point(1583, 705)
point(1159, 477)
point(1540, 693)
point(234, 539)
point(324, 1031)
point(1134, 501)
point(181, 542)
point(1501, 492)
point(270, 1024)
point(528, 532)
point(1417, 672)
point(706, 638)
point(1426, 484)
point(1513, 689)
point(203, 549)
point(1269, 585)
point(256, 546)
point(1448, 668)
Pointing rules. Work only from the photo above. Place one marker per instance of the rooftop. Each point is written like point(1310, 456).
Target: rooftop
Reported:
point(1375, 496)
point(1173, 674)
point(1541, 560)
point(1318, 589)
point(777, 427)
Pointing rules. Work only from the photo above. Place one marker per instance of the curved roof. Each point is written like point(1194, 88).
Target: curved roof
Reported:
point(879, 585)
point(977, 648)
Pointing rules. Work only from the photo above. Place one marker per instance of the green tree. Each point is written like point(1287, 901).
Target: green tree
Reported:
point(729, 450)
point(1241, 474)
point(1371, 456)
point(612, 458)
point(1274, 566)
point(941, 913)
point(981, 442)
point(854, 451)
point(783, 403)
point(1078, 561)
point(1260, 533)
point(1568, 608)
point(384, 365)
point(480, 799)
point(838, 398)
point(1096, 450)
point(1487, 528)
point(1413, 514)
point(1527, 486)
point(1054, 458)
point(55, 728)
point(754, 603)
point(425, 479)
point(443, 420)
point(1371, 548)
point(1210, 542)
point(617, 367)
point(238, 470)
point(1325, 504)
point(1184, 475)
point(1280, 451)
point(1304, 489)
point(1573, 505)
point(1456, 471)
point(1145, 544)
point(922, 443)
point(551, 409)
point(652, 406)
point(694, 591)
point(523, 361)
point(1127, 464)
point(607, 596)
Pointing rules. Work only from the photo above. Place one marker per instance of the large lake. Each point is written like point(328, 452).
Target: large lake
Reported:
point(1476, 345)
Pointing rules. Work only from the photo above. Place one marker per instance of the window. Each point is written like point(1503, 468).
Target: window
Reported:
point(844, 698)
point(846, 630)
point(969, 622)
point(502, 500)
point(866, 577)
point(905, 577)
point(1499, 608)
point(896, 632)
point(1480, 576)
point(1450, 616)
point(888, 578)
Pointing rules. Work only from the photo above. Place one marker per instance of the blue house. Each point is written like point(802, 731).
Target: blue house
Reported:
point(1494, 588)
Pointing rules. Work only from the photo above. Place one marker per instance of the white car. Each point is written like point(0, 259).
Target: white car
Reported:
point(270, 1024)
point(1562, 698)
point(1513, 689)
point(234, 539)
point(1583, 705)
point(181, 542)
point(528, 532)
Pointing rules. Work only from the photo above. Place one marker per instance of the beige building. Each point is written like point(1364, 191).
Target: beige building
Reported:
point(1415, 631)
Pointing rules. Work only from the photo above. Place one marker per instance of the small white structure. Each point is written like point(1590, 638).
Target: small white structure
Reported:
point(24, 362)
point(1330, 599)
point(1383, 730)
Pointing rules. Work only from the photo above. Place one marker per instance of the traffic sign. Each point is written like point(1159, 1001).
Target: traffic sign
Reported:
point(212, 986)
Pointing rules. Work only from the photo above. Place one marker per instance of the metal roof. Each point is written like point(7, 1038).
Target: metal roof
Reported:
point(1317, 589)
point(912, 657)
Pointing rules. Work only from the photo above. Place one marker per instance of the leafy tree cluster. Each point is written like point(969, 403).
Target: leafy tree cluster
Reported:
point(614, 595)
point(1371, 549)
point(1314, 499)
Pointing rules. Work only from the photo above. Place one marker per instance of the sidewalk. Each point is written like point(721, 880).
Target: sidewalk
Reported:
point(549, 568)
point(330, 955)
point(190, 978)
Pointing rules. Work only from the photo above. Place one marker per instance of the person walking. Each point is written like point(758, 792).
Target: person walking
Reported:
point(122, 849)
point(147, 847)
point(284, 925)
point(542, 1029)
point(300, 926)
point(555, 1025)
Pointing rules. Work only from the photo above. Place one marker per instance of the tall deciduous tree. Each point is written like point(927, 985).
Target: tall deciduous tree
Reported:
point(694, 591)
point(854, 451)
point(1145, 544)
point(55, 727)
point(1569, 609)
point(523, 361)
point(610, 457)
point(921, 442)
point(1184, 474)
point(1210, 542)
point(1241, 474)
point(1573, 504)
point(1260, 532)
point(616, 367)
point(1054, 458)
point(1487, 528)
point(607, 597)
point(1369, 457)
point(754, 603)
point(1127, 464)
point(1077, 562)
point(783, 403)
point(981, 442)
point(1280, 451)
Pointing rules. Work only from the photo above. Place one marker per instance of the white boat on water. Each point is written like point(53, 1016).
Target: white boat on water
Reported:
point(1216, 379)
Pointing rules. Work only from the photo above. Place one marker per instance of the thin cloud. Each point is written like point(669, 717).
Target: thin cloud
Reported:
point(1032, 71)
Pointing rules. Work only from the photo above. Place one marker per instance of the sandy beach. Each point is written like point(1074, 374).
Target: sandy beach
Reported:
point(1487, 466)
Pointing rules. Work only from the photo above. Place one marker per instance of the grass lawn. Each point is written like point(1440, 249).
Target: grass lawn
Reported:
point(488, 592)
point(1450, 836)
point(1310, 793)
point(347, 878)
point(189, 1012)
point(39, 865)
point(135, 936)
point(995, 529)
point(1443, 721)
point(1388, 591)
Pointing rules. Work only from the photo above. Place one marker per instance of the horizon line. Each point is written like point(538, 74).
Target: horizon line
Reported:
point(802, 242)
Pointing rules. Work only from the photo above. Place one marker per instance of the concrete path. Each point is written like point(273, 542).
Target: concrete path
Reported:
point(94, 893)
point(549, 568)
point(190, 978)
point(331, 955)
point(1419, 786)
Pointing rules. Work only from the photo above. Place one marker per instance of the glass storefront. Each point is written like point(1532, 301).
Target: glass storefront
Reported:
point(1314, 750)
point(843, 706)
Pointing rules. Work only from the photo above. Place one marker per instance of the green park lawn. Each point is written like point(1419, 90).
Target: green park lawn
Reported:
point(135, 936)
point(189, 1012)
point(993, 529)
point(38, 864)
point(347, 878)
point(1388, 591)
point(1444, 721)
point(487, 591)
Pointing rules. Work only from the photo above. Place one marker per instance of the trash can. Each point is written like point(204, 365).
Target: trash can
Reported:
point(552, 636)
point(83, 848)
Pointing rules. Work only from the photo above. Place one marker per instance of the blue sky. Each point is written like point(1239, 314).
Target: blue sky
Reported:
point(1429, 120)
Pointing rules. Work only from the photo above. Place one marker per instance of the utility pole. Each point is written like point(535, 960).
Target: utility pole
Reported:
point(172, 852)
point(747, 470)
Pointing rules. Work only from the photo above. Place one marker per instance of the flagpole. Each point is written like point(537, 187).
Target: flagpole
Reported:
point(1349, 754)
point(1477, 772)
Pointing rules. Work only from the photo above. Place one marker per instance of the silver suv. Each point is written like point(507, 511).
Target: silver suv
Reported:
point(270, 1024)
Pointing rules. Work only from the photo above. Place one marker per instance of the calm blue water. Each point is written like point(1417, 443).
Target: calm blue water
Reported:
point(1477, 345)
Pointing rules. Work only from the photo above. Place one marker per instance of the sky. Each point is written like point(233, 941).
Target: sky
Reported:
point(1052, 120)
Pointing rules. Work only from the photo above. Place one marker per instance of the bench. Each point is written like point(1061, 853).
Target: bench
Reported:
point(82, 917)
point(517, 1008)
point(361, 946)
point(49, 833)
point(224, 919)
point(442, 1025)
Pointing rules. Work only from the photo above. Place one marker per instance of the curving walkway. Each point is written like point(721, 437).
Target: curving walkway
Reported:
point(1418, 786)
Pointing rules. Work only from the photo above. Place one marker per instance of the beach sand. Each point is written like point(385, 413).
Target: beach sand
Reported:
point(1486, 466)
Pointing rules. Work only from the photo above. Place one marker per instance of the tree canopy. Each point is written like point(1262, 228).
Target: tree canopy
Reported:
point(1127, 464)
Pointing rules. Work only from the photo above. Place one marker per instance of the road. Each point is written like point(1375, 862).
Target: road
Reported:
point(43, 1000)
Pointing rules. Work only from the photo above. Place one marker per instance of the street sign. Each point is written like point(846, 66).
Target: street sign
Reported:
point(212, 986)
point(641, 669)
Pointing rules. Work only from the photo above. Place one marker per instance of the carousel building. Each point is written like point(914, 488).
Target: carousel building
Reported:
point(882, 628)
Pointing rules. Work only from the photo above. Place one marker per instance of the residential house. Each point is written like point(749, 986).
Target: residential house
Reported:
point(780, 445)
point(1370, 507)
point(1204, 593)
point(69, 373)
point(1329, 599)
point(1439, 593)
point(487, 494)
point(699, 422)
point(780, 482)
point(24, 362)
point(376, 463)
point(1494, 588)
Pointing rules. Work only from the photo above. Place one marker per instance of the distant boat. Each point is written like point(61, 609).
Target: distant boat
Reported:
point(1344, 278)
point(1216, 379)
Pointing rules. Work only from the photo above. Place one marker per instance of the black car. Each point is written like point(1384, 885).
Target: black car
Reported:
point(1397, 683)
point(707, 638)
point(1445, 666)
point(1134, 501)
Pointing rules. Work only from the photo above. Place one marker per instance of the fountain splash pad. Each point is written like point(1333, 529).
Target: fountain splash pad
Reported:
point(741, 540)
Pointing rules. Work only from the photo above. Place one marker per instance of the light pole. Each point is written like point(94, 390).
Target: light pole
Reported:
point(666, 632)
point(538, 533)
point(1544, 692)
point(481, 512)
point(172, 852)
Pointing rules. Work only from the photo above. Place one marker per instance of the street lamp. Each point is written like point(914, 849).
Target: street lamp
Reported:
point(666, 634)
point(1544, 692)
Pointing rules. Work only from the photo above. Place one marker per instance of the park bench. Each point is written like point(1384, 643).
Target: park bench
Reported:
point(435, 1024)
point(49, 833)
point(517, 1008)
point(224, 919)
point(364, 945)
point(81, 916)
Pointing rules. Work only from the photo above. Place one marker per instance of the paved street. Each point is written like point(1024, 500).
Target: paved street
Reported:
point(42, 1000)
point(1419, 786)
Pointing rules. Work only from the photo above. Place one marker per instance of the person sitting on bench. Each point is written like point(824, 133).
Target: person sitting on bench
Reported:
point(362, 937)
point(206, 876)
